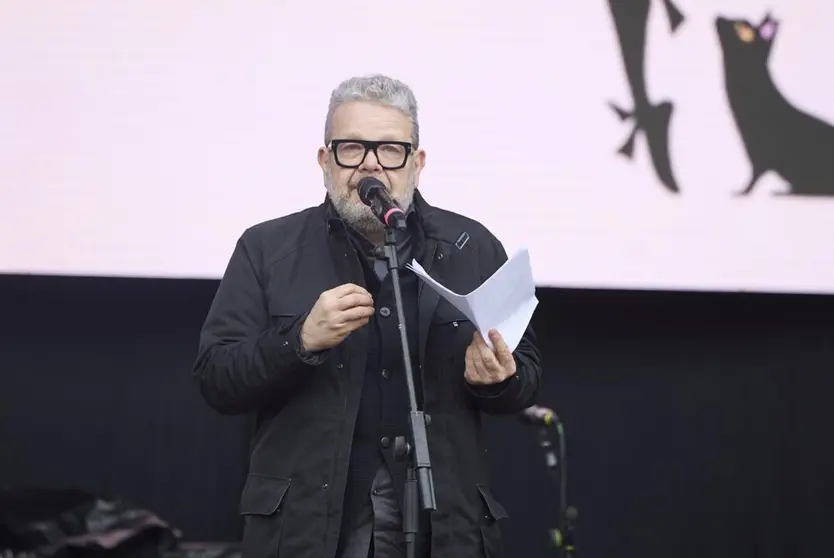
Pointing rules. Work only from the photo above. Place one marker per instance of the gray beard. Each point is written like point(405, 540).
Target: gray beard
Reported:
point(357, 214)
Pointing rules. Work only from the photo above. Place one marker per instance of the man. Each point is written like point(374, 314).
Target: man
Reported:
point(303, 333)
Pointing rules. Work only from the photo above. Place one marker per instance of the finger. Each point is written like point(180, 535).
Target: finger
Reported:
point(477, 345)
point(502, 350)
point(346, 289)
point(352, 326)
point(356, 323)
point(353, 314)
point(468, 358)
point(352, 300)
point(469, 371)
point(478, 339)
point(474, 370)
point(488, 357)
point(482, 375)
point(491, 367)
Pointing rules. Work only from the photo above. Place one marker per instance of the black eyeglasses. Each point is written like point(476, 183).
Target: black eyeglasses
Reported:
point(350, 154)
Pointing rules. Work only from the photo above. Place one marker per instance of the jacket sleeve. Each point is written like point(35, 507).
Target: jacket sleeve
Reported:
point(245, 360)
point(519, 391)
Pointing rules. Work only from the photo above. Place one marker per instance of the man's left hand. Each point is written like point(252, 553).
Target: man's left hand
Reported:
point(485, 366)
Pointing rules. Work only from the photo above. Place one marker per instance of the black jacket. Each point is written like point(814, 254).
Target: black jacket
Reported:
point(248, 362)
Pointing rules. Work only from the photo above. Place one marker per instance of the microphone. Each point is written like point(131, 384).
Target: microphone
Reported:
point(374, 194)
point(538, 416)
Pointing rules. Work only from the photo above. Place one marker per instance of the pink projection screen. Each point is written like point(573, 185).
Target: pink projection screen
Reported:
point(141, 137)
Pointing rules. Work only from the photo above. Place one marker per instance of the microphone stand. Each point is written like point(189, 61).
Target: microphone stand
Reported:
point(416, 448)
point(564, 536)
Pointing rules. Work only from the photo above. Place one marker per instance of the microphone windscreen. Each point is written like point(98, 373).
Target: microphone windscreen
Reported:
point(365, 188)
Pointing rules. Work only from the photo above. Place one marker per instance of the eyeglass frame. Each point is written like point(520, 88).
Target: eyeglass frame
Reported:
point(370, 145)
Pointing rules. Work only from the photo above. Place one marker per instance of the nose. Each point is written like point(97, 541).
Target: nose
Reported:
point(370, 163)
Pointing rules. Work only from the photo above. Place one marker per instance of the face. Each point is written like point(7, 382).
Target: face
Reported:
point(343, 164)
point(745, 43)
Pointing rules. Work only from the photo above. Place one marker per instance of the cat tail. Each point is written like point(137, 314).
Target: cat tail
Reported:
point(654, 122)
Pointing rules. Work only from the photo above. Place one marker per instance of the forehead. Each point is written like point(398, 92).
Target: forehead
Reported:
point(370, 121)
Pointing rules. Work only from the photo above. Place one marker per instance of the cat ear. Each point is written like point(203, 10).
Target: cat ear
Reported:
point(768, 28)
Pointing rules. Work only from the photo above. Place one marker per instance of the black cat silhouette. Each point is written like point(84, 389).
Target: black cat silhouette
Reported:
point(777, 136)
point(631, 19)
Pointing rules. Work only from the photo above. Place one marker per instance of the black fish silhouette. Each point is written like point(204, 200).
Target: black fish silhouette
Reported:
point(777, 136)
point(631, 19)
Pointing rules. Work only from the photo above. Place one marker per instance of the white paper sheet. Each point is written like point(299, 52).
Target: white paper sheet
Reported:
point(504, 302)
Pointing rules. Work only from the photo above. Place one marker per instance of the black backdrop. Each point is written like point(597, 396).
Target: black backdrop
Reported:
point(697, 424)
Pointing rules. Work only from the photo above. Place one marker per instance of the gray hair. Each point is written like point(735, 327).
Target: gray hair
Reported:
point(374, 88)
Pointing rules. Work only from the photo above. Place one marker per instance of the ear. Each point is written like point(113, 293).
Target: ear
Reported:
point(419, 163)
point(323, 156)
point(767, 17)
point(768, 27)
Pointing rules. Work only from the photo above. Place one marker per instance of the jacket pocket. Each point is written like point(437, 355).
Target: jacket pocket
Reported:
point(448, 315)
point(490, 528)
point(261, 505)
point(451, 333)
point(449, 336)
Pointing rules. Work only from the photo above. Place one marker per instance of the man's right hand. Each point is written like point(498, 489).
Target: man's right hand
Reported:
point(336, 314)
